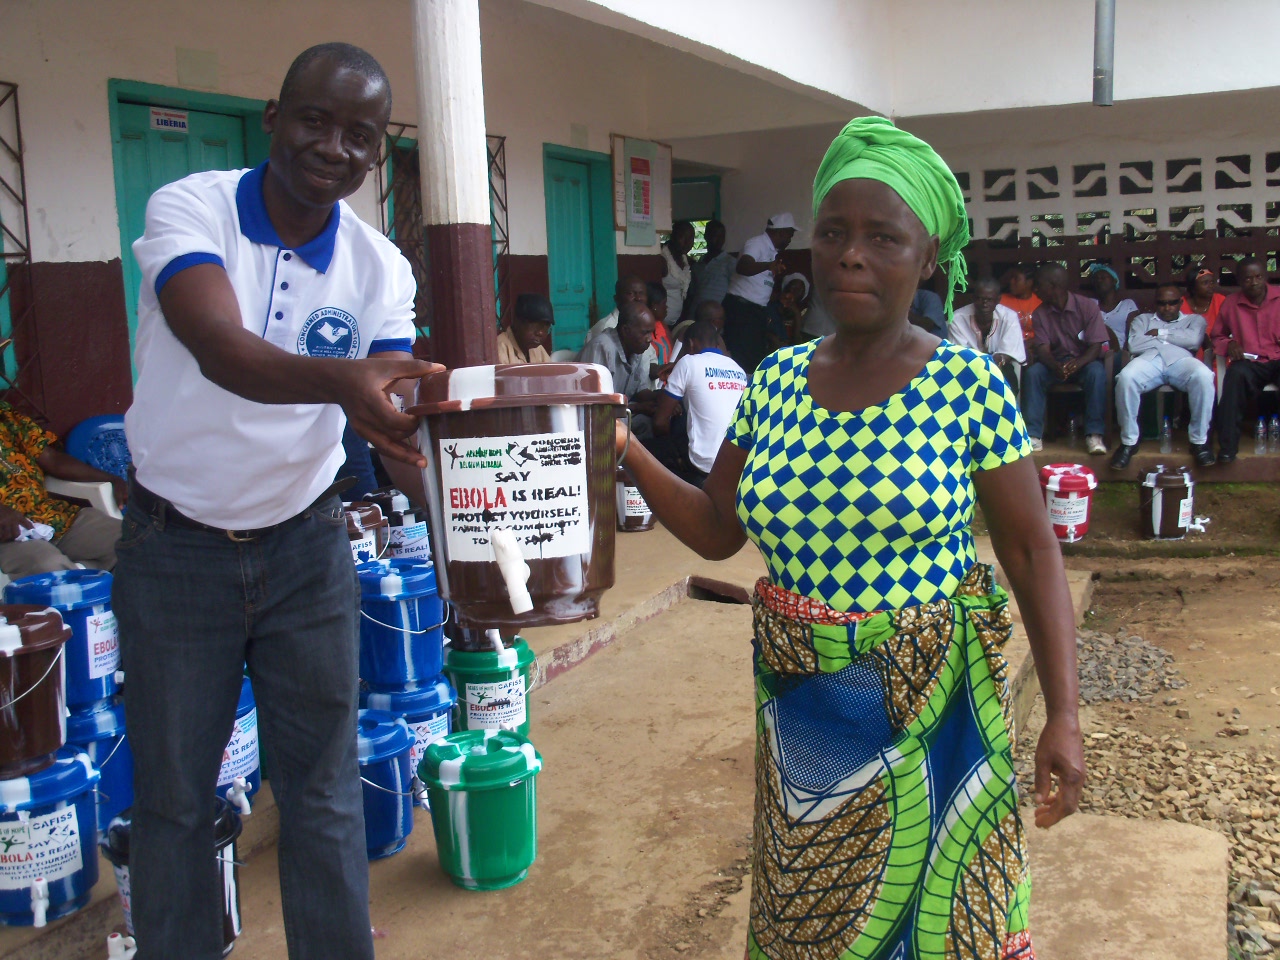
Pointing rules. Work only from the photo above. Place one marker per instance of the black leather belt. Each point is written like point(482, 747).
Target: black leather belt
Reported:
point(166, 514)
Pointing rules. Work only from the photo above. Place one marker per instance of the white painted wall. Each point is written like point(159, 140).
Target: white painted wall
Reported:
point(961, 56)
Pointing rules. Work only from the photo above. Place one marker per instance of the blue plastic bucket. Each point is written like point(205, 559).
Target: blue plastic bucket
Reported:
point(384, 742)
point(101, 735)
point(83, 597)
point(48, 828)
point(401, 640)
point(241, 758)
point(426, 708)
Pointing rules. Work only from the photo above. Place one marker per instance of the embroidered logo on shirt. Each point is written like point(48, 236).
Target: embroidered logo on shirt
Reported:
point(329, 332)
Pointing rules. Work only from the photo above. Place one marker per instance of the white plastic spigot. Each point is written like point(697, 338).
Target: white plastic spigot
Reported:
point(238, 796)
point(121, 948)
point(515, 572)
point(419, 790)
point(39, 901)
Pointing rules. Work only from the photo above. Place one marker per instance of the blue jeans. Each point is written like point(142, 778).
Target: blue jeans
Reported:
point(1035, 390)
point(1147, 371)
point(194, 607)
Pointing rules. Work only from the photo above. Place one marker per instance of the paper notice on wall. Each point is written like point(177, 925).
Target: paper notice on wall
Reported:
point(170, 121)
point(46, 846)
point(640, 191)
point(534, 485)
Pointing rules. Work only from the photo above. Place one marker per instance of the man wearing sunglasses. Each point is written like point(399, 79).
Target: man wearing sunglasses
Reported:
point(1163, 346)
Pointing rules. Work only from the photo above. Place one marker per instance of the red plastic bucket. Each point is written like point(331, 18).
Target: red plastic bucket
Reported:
point(1068, 496)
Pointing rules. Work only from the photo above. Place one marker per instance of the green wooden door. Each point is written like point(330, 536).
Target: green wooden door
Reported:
point(569, 249)
point(150, 158)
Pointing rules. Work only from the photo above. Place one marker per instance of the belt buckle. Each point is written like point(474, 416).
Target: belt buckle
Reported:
point(240, 536)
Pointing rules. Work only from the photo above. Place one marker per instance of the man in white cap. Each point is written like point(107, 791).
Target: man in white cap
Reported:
point(746, 305)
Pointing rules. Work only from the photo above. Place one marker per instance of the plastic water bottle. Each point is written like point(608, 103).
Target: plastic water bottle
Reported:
point(1166, 436)
point(1273, 434)
point(1073, 431)
point(1260, 437)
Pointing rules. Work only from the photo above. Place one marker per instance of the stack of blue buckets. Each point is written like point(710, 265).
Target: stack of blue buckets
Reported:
point(406, 699)
point(95, 725)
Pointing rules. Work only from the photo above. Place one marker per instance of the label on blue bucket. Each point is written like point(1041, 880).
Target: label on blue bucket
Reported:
point(410, 541)
point(364, 549)
point(490, 705)
point(103, 639)
point(425, 734)
point(46, 845)
point(241, 756)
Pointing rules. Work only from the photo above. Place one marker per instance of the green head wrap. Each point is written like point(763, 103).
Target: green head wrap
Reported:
point(872, 148)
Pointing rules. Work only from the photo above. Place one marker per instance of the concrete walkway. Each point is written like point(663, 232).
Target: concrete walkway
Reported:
point(645, 812)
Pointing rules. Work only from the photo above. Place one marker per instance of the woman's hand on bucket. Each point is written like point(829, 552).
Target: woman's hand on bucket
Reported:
point(363, 392)
point(1059, 770)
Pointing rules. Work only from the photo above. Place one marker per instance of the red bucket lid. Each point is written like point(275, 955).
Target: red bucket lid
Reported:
point(1068, 477)
point(514, 385)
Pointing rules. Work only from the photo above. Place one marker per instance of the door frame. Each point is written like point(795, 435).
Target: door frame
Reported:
point(257, 143)
point(604, 248)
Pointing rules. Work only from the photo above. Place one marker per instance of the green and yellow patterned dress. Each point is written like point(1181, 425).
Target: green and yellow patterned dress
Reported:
point(886, 824)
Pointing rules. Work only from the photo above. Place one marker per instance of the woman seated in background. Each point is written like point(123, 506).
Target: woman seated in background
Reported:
point(1116, 310)
point(1202, 297)
point(886, 818)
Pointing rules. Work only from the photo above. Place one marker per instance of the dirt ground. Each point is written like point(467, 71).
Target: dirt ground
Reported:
point(1220, 619)
point(1243, 518)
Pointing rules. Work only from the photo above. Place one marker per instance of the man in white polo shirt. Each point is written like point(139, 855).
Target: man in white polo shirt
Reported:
point(705, 385)
point(746, 305)
point(269, 317)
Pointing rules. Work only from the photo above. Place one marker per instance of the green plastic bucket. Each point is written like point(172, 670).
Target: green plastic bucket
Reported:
point(493, 687)
point(482, 788)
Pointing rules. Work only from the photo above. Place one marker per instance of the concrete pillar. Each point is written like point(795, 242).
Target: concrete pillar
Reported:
point(455, 180)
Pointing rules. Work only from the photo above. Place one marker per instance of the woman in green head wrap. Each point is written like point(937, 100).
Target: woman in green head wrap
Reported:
point(886, 823)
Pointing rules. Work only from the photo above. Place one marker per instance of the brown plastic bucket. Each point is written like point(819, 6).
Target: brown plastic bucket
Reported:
point(32, 679)
point(526, 448)
point(1166, 503)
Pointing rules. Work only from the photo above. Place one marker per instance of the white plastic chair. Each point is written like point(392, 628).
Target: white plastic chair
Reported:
point(564, 356)
point(1220, 368)
point(98, 493)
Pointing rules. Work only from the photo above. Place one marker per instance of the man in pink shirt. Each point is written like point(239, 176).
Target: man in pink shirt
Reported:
point(1248, 335)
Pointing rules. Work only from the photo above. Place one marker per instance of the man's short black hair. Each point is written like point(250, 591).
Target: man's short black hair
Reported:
point(705, 308)
point(631, 312)
point(344, 56)
point(986, 280)
point(1249, 261)
point(680, 225)
point(704, 331)
point(656, 294)
point(621, 285)
point(534, 308)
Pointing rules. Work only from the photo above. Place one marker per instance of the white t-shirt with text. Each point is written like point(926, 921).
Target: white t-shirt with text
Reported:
point(709, 384)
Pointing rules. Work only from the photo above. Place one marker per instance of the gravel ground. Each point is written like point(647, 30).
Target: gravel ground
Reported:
point(1233, 790)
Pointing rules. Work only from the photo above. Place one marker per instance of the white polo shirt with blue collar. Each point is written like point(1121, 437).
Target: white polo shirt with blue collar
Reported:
point(219, 458)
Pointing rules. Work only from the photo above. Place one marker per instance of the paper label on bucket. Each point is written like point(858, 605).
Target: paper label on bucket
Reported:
point(103, 640)
point(46, 846)
point(1184, 513)
point(425, 734)
point(1068, 511)
point(241, 756)
point(410, 541)
point(535, 485)
point(490, 705)
point(635, 506)
point(365, 548)
point(126, 897)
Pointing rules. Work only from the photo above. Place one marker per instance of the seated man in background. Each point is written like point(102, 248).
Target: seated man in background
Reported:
point(1248, 335)
point(628, 288)
point(40, 533)
point(707, 384)
point(625, 351)
point(1069, 334)
point(989, 327)
point(523, 341)
point(927, 313)
point(1021, 298)
point(709, 310)
point(1163, 346)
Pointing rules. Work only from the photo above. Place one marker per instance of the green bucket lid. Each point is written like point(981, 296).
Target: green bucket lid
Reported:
point(517, 656)
point(479, 760)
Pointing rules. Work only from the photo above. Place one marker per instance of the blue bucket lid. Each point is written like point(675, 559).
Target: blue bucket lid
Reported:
point(381, 736)
point(62, 589)
point(398, 579)
point(71, 775)
point(85, 727)
point(415, 699)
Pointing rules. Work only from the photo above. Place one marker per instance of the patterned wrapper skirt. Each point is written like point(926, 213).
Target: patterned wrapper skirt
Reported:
point(886, 814)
